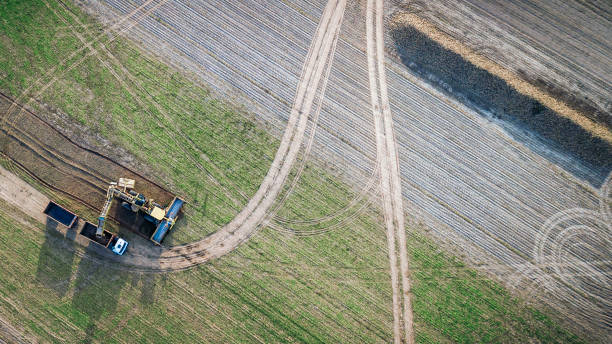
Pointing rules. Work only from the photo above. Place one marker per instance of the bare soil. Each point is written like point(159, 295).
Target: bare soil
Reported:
point(548, 43)
point(22, 195)
point(67, 167)
point(458, 77)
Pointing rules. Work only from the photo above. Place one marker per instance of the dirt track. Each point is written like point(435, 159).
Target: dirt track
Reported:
point(20, 194)
point(466, 177)
point(247, 221)
point(390, 184)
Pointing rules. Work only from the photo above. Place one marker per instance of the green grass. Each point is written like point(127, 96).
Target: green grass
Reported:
point(276, 287)
point(260, 289)
point(466, 308)
point(163, 119)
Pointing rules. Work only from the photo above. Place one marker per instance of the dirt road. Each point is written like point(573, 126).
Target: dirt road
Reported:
point(314, 77)
point(390, 183)
point(478, 183)
point(21, 195)
point(250, 218)
point(472, 180)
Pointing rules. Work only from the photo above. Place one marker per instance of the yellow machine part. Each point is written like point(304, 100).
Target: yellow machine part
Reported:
point(158, 213)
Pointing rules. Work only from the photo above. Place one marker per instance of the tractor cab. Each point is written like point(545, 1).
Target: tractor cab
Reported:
point(118, 246)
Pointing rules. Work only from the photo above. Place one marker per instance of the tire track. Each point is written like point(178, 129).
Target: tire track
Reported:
point(389, 167)
point(313, 131)
point(249, 220)
point(235, 203)
point(343, 222)
point(9, 119)
point(362, 194)
point(53, 70)
point(286, 156)
point(282, 224)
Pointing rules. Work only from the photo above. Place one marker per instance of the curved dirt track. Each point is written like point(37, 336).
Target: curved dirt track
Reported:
point(249, 219)
point(475, 182)
point(310, 140)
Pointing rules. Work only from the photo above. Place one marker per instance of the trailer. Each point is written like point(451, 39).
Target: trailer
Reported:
point(67, 218)
point(107, 239)
point(60, 214)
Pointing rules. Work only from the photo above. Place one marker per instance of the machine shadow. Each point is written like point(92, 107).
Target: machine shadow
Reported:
point(99, 283)
point(97, 289)
point(99, 280)
point(56, 258)
point(538, 125)
point(148, 284)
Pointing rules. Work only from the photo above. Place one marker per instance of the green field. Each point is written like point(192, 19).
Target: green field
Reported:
point(332, 287)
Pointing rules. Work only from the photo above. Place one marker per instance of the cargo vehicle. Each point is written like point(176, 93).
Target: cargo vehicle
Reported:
point(107, 239)
point(89, 230)
point(60, 214)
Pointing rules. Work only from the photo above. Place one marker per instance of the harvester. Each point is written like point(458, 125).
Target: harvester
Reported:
point(163, 218)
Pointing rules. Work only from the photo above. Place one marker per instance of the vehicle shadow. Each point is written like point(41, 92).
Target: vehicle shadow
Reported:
point(99, 278)
point(56, 259)
point(544, 131)
point(148, 283)
point(97, 290)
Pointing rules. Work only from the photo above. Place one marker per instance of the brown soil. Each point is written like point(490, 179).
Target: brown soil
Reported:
point(65, 166)
point(461, 72)
point(22, 195)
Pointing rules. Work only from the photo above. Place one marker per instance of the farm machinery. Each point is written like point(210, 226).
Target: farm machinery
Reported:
point(163, 218)
point(87, 229)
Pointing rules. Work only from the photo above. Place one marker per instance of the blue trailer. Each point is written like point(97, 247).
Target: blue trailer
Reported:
point(164, 225)
point(162, 218)
point(60, 214)
point(68, 219)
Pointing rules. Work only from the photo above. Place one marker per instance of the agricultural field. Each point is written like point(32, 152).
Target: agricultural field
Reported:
point(545, 42)
point(311, 215)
